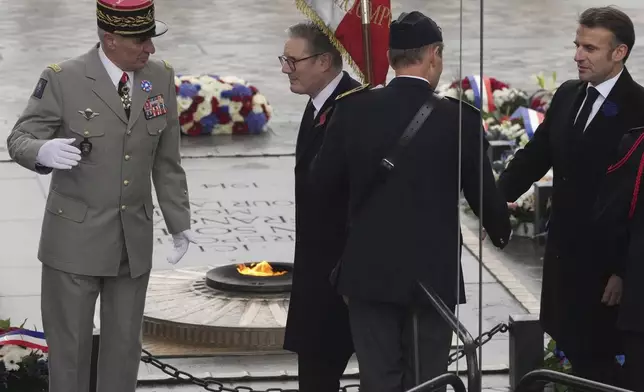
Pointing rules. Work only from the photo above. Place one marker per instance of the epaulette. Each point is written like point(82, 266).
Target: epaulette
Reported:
point(167, 64)
point(355, 90)
point(54, 67)
point(465, 103)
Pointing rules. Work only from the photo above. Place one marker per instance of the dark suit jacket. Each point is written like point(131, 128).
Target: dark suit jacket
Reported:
point(317, 320)
point(409, 229)
point(582, 251)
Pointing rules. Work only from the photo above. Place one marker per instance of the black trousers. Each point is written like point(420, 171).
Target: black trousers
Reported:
point(318, 373)
point(383, 337)
point(595, 366)
point(634, 361)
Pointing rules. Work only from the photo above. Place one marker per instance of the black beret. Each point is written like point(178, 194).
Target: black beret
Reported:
point(413, 30)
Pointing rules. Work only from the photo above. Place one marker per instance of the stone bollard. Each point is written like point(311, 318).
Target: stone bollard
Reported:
point(526, 346)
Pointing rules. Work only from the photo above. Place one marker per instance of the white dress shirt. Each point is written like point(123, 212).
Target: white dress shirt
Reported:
point(604, 89)
point(326, 92)
point(114, 71)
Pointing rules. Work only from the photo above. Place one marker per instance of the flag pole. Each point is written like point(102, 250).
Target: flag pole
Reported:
point(366, 39)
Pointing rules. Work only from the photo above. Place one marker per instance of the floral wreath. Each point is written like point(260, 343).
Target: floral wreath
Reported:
point(210, 105)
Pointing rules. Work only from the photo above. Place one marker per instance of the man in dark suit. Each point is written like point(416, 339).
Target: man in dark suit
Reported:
point(408, 230)
point(579, 138)
point(317, 327)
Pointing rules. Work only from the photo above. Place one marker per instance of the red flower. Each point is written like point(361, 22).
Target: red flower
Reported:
point(186, 117)
point(222, 116)
point(323, 118)
point(465, 84)
point(253, 89)
point(196, 100)
point(247, 106)
point(240, 128)
point(214, 104)
point(497, 85)
point(195, 129)
point(236, 98)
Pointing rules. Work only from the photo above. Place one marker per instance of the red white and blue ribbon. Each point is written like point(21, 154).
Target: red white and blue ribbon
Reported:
point(25, 338)
point(488, 98)
point(531, 119)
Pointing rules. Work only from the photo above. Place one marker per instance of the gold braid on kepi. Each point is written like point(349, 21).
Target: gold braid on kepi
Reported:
point(129, 18)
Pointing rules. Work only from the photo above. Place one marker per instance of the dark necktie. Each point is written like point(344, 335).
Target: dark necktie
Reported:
point(124, 93)
point(309, 115)
point(584, 113)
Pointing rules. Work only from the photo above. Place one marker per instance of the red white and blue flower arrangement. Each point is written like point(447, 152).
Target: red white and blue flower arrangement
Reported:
point(23, 359)
point(213, 105)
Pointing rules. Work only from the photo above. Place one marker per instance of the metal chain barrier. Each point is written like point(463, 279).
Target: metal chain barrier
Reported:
point(210, 384)
point(480, 341)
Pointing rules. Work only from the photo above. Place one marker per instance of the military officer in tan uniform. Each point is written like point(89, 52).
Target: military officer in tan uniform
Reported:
point(102, 124)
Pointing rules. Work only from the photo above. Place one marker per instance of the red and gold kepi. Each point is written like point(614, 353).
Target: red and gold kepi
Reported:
point(129, 18)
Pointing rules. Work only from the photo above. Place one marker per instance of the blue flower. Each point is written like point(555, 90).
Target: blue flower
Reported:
point(610, 109)
point(256, 122)
point(208, 123)
point(242, 91)
point(228, 94)
point(621, 359)
point(189, 90)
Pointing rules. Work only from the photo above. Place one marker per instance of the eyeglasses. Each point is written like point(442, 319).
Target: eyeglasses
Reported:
point(291, 63)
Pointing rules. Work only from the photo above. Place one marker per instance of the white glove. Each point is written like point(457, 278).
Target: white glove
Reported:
point(59, 154)
point(181, 242)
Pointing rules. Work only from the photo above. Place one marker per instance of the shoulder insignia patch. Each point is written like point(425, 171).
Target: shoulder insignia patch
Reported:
point(54, 67)
point(364, 87)
point(167, 64)
point(465, 103)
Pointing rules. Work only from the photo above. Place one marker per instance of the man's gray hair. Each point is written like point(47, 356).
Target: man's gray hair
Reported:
point(406, 57)
point(318, 42)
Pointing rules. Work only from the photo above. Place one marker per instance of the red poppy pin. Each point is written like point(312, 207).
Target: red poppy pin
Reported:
point(323, 117)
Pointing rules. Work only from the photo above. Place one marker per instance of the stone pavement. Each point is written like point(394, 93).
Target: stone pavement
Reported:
point(244, 38)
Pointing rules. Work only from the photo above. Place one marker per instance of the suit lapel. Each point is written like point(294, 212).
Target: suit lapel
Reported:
point(139, 96)
point(318, 126)
point(598, 145)
point(102, 85)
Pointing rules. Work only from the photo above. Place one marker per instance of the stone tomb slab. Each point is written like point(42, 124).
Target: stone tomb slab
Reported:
point(242, 211)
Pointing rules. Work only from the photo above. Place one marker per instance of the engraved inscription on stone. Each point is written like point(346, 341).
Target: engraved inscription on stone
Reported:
point(239, 219)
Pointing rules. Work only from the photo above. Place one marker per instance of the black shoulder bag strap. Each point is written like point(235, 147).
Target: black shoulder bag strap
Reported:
point(388, 163)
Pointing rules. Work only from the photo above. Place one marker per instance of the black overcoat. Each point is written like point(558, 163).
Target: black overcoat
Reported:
point(583, 249)
point(317, 321)
point(408, 231)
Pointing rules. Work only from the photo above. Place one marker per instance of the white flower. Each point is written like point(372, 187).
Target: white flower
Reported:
point(269, 110)
point(204, 109)
point(12, 356)
point(259, 99)
point(469, 94)
point(258, 109)
point(183, 103)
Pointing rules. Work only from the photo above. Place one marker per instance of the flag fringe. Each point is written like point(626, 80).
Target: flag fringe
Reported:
point(311, 14)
